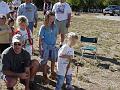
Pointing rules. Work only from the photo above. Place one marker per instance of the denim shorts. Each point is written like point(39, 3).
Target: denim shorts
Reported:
point(49, 52)
point(60, 81)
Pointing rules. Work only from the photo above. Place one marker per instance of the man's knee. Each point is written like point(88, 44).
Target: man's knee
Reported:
point(35, 64)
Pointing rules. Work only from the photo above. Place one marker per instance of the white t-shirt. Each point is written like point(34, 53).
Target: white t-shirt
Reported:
point(24, 34)
point(63, 62)
point(61, 10)
point(16, 3)
point(4, 8)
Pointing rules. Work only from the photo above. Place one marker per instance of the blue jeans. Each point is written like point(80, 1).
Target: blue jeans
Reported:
point(60, 81)
point(31, 24)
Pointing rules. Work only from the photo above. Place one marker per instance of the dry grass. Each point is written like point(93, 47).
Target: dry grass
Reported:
point(90, 76)
point(107, 31)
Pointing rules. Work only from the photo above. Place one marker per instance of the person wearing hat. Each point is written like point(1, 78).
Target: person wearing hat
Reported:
point(17, 64)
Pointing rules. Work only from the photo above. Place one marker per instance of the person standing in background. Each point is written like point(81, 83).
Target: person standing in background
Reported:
point(11, 25)
point(47, 6)
point(29, 10)
point(16, 3)
point(4, 8)
point(63, 16)
point(5, 34)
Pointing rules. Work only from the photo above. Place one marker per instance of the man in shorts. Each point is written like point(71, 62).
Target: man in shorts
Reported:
point(63, 16)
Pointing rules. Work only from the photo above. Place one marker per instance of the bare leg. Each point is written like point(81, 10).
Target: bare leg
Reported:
point(52, 66)
point(45, 78)
point(62, 38)
point(53, 74)
point(34, 69)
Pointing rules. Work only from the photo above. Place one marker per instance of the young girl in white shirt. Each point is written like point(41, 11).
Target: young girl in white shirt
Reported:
point(22, 28)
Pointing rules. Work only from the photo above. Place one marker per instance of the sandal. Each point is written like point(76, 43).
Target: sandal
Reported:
point(53, 76)
point(45, 80)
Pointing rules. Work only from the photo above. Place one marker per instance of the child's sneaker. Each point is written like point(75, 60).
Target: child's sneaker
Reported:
point(69, 87)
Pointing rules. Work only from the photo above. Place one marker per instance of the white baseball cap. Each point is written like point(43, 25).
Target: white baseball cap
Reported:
point(17, 38)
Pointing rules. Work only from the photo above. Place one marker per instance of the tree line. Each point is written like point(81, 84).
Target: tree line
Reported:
point(91, 4)
point(81, 4)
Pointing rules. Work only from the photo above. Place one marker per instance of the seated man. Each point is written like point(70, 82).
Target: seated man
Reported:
point(17, 64)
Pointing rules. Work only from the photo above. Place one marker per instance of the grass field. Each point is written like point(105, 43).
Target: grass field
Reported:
point(100, 74)
point(107, 31)
point(103, 73)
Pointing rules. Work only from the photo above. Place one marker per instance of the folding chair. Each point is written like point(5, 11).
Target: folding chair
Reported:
point(90, 44)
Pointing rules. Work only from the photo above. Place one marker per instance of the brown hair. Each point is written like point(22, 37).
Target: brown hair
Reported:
point(47, 15)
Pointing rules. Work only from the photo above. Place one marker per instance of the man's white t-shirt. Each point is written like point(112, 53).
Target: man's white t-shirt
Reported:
point(62, 63)
point(61, 10)
point(24, 34)
point(4, 8)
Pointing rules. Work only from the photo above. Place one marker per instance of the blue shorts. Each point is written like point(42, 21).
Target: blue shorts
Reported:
point(50, 52)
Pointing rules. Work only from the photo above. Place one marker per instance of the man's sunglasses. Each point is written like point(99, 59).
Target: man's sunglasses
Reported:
point(17, 44)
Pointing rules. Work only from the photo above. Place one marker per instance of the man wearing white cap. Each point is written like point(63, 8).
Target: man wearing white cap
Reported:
point(17, 64)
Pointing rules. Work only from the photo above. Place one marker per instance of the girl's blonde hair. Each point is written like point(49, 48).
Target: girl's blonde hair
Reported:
point(21, 19)
point(47, 15)
point(72, 35)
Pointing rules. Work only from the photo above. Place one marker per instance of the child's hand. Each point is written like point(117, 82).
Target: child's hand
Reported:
point(69, 57)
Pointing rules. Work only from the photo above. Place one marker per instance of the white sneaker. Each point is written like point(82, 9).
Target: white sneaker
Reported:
point(70, 87)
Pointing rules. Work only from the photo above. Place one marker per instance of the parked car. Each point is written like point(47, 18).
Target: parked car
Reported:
point(112, 10)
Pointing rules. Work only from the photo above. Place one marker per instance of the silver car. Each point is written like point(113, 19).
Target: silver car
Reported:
point(112, 10)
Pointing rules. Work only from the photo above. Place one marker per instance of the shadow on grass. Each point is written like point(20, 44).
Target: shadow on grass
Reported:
point(112, 60)
point(38, 84)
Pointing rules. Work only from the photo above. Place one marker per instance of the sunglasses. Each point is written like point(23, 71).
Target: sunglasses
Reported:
point(17, 44)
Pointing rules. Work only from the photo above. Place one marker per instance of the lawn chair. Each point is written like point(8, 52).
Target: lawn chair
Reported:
point(90, 44)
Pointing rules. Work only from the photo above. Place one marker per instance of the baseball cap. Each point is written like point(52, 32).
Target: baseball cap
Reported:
point(17, 38)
